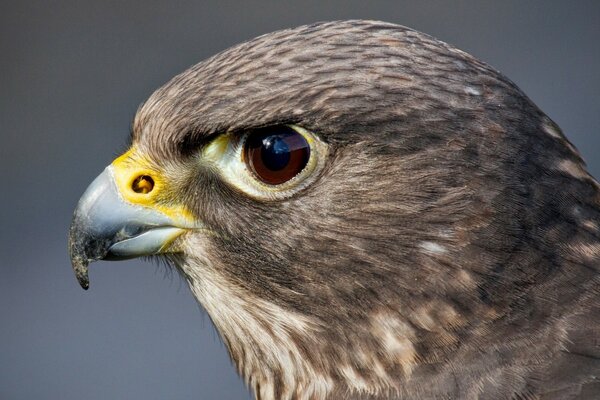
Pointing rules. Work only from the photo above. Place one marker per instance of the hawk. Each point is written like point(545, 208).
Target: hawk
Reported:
point(365, 212)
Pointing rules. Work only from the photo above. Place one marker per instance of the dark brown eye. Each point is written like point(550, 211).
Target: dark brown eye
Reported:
point(276, 154)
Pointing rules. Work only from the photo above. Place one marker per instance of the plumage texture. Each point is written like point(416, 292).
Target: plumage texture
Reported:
point(449, 248)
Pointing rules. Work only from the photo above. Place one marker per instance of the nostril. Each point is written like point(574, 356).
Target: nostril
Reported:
point(143, 184)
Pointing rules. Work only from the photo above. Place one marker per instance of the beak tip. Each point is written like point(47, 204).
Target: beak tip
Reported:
point(80, 267)
point(79, 262)
point(84, 282)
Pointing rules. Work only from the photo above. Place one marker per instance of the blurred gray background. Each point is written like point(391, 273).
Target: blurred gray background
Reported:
point(72, 76)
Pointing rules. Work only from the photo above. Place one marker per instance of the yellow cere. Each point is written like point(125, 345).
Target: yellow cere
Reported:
point(141, 184)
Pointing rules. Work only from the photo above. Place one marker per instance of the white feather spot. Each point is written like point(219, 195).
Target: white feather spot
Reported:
point(572, 168)
point(395, 337)
point(461, 65)
point(588, 251)
point(472, 91)
point(433, 248)
point(446, 233)
point(551, 129)
point(358, 383)
point(590, 224)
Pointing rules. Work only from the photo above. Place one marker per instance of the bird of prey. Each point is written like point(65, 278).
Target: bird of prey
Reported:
point(365, 212)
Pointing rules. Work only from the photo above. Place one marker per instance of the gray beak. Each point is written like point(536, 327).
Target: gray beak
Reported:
point(106, 227)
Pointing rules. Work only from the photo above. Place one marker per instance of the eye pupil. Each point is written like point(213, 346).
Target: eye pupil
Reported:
point(276, 154)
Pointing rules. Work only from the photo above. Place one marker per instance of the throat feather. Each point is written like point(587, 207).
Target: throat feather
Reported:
point(262, 339)
point(282, 354)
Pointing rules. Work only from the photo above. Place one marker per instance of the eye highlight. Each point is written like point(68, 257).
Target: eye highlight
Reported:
point(267, 163)
point(276, 154)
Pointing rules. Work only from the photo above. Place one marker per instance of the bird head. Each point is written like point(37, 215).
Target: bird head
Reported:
point(346, 200)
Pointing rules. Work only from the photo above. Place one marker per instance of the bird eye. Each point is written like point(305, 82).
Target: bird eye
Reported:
point(268, 163)
point(276, 155)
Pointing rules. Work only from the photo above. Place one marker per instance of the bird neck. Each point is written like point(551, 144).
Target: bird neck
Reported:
point(282, 353)
point(262, 338)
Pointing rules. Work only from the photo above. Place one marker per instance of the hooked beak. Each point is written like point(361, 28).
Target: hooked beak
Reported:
point(107, 225)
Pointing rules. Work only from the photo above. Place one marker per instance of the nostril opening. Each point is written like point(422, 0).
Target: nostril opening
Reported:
point(143, 184)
